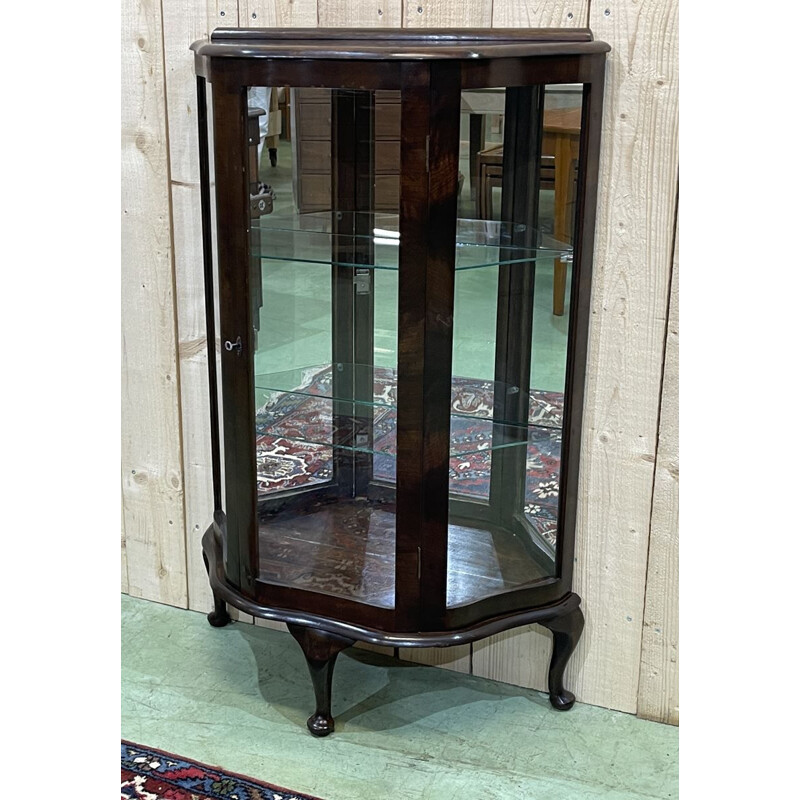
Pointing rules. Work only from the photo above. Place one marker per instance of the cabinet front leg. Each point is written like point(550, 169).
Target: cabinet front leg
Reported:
point(219, 617)
point(566, 631)
point(320, 649)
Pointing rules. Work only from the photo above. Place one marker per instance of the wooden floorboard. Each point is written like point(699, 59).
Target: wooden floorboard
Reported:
point(346, 548)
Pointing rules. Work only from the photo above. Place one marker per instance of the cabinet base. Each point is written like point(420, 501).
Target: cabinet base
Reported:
point(323, 639)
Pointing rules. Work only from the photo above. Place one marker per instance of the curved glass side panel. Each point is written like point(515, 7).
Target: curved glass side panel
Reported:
point(511, 321)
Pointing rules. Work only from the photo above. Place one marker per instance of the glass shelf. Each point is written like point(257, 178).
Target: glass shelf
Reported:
point(470, 398)
point(362, 428)
point(312, 238)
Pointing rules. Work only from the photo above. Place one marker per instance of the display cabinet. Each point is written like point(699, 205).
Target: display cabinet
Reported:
point(398, 346)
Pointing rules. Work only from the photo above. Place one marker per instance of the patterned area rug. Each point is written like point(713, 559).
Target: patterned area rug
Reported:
point(150, 774)
point(293, 429)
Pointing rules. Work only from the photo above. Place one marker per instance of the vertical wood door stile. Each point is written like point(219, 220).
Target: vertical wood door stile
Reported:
point(152, 475)
point(430, 118)
point(658, 679)
point(235, 322)
point(440, 237)
point(415, 115)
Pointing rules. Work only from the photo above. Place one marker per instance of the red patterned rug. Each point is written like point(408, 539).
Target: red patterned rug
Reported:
point(294, 429)
point(150, 774)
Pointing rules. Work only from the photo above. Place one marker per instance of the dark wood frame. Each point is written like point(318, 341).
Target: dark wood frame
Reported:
point(430, 68)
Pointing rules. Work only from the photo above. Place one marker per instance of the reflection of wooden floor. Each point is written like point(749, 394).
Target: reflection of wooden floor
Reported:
point(346, 548)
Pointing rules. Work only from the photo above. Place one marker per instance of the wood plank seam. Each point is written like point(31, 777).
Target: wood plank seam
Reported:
point(665, 712)
point(176, 333)
point(658, 438)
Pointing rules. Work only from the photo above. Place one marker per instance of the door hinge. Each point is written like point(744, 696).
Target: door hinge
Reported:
point(419, 563)
point(428, 153)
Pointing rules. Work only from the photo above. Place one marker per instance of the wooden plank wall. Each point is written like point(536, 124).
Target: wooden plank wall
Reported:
point(627, 545)
point(152, 469)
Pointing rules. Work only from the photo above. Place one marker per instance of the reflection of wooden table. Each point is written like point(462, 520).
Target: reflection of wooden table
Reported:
point(562, 133)
point(561, 142)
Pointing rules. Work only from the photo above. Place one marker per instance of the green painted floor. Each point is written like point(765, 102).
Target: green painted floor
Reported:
point(238, 697)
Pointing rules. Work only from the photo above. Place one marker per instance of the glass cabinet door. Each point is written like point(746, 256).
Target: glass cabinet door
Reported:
point(520, 149)
point(324, 292)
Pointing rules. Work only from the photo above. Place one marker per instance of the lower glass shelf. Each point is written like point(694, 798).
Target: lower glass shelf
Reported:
point(307, 414)
point(346, 548)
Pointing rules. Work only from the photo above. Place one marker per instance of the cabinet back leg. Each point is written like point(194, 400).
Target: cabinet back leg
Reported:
point(566, 630)
point(320, 649)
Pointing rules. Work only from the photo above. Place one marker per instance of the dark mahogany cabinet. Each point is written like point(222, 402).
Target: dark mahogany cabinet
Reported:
point(397, 310)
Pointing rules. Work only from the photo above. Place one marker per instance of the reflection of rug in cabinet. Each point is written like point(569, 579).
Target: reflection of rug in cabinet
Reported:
point(293, 427)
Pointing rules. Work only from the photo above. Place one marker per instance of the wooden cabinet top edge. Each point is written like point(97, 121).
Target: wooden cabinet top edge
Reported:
point(397, 44)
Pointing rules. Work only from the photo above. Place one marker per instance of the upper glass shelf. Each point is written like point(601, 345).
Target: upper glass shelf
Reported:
point(373, 240)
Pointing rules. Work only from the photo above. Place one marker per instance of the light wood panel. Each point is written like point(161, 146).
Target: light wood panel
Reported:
point(633, 252)
point(278, 13)
point(456, 658)
point(360, 13)
point(268, 623)
point(152, 480)
point(658, 678)
point(451, 14)
point(518, 656)
point(535, 14)
point(123, 554)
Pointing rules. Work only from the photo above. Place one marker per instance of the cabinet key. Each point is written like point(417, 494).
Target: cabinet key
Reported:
point(237, 346)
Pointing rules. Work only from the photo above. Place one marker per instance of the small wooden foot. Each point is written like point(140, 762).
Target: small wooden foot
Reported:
point(219, 617)
point(320, 649)
point(566, 631)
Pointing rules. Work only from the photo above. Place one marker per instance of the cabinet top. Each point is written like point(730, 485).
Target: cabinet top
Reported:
point(406, 44)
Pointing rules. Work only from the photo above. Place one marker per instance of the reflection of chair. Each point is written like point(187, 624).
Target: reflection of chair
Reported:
point(490, 176)
point(561, 128)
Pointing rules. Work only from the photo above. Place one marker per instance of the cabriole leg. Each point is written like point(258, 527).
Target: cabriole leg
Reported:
point(219, 617)
point(566, 631)
point(320, 650)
